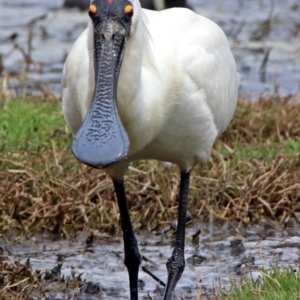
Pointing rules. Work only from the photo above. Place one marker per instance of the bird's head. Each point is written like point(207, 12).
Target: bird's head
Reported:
point(102, 140)
point(117, 13)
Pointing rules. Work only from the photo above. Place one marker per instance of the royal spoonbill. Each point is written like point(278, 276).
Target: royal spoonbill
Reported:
point(140, 84)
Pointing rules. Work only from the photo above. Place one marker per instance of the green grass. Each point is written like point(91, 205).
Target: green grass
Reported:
point(32, 126)
point(266, 152)
point(275, 284)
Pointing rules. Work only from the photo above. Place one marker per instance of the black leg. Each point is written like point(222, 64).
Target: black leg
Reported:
point(132, 255)
point(176, 263)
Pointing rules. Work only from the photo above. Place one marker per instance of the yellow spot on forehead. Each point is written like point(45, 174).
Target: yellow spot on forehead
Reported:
point(93, 8)
point(128, 9)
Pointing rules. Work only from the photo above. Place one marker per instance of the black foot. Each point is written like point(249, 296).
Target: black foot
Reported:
point(175, 267)
point(176, 263)
point(132, 261)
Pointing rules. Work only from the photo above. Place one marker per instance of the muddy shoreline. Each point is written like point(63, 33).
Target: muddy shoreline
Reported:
point(221, 254)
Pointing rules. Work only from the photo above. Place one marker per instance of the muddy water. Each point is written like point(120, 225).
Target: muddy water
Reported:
point(253, 40)
point(219, 256)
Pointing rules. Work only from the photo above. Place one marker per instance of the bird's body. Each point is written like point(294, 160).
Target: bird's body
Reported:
point(176, 93)
point(173, 107)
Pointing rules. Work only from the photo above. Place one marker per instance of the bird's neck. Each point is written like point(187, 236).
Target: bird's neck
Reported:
point(132, 104)
point(129, 84)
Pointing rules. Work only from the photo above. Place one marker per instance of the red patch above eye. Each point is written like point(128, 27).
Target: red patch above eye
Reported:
point(110, 1)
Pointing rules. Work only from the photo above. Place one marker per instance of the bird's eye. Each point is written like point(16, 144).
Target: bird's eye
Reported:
point(128, 11)
point(92, 10)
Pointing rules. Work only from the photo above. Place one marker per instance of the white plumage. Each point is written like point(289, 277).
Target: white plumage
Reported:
point(177, 88)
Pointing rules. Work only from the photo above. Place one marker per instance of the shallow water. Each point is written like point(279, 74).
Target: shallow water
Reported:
point(219, 256)
point(56, 29)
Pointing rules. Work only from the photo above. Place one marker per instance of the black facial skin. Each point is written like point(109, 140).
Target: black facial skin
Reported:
point(111, 10)
point(102, 140)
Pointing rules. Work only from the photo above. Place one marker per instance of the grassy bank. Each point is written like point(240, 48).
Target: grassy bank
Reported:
point(273, 284)
point(253, 175)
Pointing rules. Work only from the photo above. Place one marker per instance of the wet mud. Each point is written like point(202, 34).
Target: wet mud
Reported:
point(81, 268)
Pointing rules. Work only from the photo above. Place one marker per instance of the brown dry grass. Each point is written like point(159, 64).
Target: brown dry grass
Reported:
point(16, 280)
point(51, 190)
point(242, 183)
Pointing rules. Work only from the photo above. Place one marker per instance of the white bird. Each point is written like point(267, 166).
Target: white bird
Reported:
point(140, 84)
